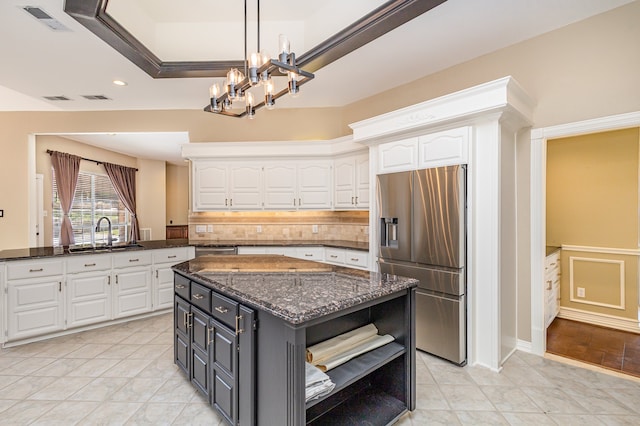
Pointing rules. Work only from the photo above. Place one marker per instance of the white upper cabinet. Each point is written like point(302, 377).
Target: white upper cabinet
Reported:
point(432, 150)
point(351, 186)
point(280, 186)
point(295, 185)
point(224, 186)
point(314, 185)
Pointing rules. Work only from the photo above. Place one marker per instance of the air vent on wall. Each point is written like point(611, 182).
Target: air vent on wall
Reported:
point(45, 18)
point(96, 97)
point(57, 98)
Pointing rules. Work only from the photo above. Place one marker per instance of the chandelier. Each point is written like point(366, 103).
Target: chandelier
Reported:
point(259, 68)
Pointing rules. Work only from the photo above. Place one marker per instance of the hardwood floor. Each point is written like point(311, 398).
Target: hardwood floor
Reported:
point(605, 347)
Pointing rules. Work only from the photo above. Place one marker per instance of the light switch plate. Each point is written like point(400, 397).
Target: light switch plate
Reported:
point(314, 229)
point(209, 228)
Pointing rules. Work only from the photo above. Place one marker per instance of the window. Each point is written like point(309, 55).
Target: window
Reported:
point(93, 199)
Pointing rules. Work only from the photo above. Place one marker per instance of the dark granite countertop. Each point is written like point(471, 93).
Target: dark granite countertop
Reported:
point(354, 245)
point(295, 290)
point(42, 252)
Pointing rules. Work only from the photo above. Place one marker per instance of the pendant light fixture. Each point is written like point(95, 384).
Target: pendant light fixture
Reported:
point(259, 69)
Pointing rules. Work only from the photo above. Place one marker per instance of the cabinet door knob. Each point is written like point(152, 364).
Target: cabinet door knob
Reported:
point(198, 296)
point(180, 286)
point(221, 309)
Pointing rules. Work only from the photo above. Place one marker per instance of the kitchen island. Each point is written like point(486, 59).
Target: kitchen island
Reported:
point(243, 324)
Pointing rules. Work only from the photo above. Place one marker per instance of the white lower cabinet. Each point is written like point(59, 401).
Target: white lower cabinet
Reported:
point(334, 255)
point(162, 274)
point(45, 296)
point(88, 298)
point(34, 306)
point(132, 291)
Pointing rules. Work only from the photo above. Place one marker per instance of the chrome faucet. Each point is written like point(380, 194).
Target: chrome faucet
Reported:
point(109, 237)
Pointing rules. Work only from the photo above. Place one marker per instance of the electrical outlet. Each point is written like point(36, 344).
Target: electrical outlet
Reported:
point(314, 229)
point(200, 229)
point(209, 228)
point(581, 292)
point(259, 229)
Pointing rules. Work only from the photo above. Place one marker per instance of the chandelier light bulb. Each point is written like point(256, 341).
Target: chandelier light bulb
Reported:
point(269, 102)
point(249, 103)
point(294, 89)
point(255, 61)
point(214, 93)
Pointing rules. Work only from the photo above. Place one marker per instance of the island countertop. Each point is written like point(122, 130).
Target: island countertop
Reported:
point(294, 290)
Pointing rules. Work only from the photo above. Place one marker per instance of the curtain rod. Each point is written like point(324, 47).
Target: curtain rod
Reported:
point(86, 159)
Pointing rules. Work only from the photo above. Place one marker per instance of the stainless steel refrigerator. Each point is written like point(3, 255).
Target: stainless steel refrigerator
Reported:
point(422, 218)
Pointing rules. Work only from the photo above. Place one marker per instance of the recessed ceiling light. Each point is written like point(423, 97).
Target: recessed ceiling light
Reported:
point(119, 83)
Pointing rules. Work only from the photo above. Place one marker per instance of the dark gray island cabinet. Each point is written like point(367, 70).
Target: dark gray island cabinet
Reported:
point(243, 323)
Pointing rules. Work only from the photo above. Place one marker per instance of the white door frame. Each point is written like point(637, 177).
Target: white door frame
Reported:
point(539, 139)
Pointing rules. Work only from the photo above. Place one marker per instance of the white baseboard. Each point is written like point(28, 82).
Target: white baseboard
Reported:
point(610, 321)
point(524, 346)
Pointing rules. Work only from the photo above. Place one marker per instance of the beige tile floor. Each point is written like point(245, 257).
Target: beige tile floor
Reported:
point(124, 374)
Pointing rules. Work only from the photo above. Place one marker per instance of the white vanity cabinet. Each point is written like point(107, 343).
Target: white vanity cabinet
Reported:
point(552, 287)
point(226, 186)
point(351, 182)
point(35, 302)
point(88, 290)
point(162, 274)
point(131, 280)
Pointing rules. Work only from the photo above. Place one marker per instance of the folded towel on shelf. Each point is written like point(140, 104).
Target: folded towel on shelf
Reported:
point(339, 344)
point(317, 383)
point(367, 345)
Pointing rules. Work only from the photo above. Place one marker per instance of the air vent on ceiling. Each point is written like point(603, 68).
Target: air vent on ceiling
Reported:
point(45, 18)
point(57, 98)
point(96, 97)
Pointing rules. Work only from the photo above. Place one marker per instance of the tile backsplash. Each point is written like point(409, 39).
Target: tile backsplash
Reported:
point(272, 226)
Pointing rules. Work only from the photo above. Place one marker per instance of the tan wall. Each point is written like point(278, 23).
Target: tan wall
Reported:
point(592, 200)
point(177, 194)
point(585, 70)
point(16, 129)
point(592, 190)
point(43, 166)
point(151, 197)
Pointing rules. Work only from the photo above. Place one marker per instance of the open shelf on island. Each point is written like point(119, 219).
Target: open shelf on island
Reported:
point(355, 369)
point(371, 407)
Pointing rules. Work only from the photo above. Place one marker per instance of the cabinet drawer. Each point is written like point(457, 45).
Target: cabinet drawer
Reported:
point(99, 262)
point(356, 258)
point(182, 286)
point(134, 258)
point(334, 255)
point(172, 255)
point(201, 296)
point(224, 309)
point(31, 269)
point(310, 253)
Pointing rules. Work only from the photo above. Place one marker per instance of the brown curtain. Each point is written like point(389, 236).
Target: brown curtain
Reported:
point(66, 168)
point(124, 182)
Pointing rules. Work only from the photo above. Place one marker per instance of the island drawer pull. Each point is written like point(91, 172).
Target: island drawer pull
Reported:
point(209, 330)
point(180, 286)
point(198, 296)
point(187, 319)
point(221, 309)
point(238, 329)
point(36, 270)
point(134, 260)
point(87, 265)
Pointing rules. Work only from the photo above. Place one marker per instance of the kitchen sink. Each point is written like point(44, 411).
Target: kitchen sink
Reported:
point(104, 248)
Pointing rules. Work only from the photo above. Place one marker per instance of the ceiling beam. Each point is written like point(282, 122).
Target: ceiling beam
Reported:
point(92, 14)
